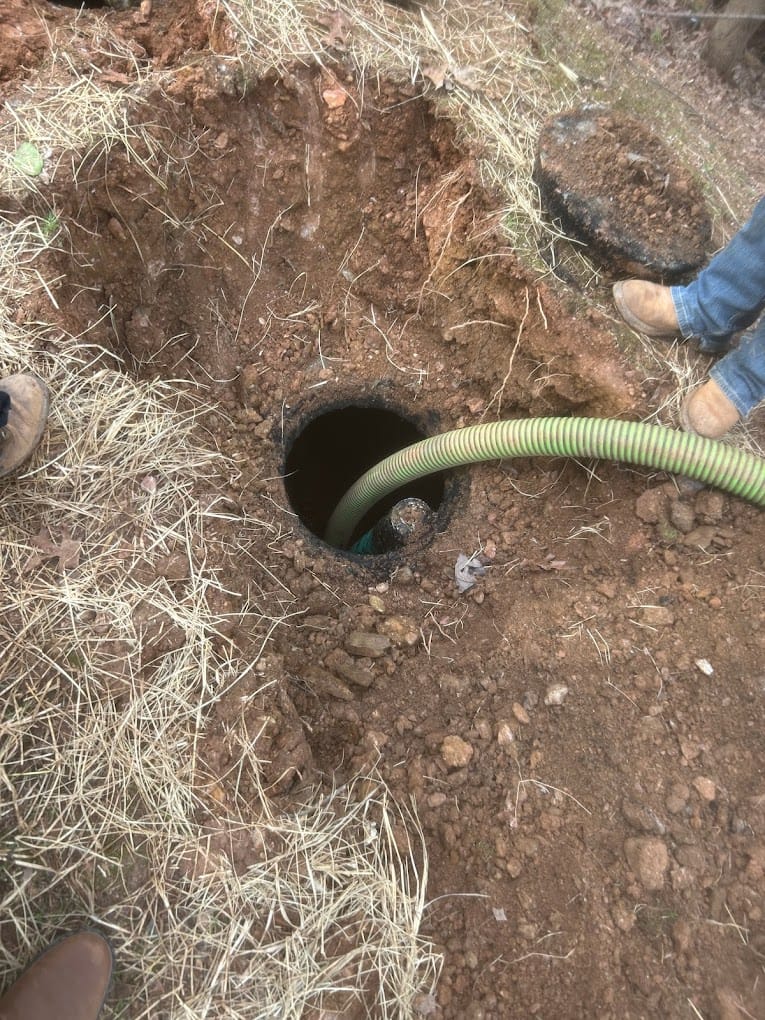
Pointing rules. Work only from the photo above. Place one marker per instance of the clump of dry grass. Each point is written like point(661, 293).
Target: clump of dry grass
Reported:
point(81, 116)
point(70, 109)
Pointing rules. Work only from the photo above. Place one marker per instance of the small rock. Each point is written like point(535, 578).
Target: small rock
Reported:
point(682, 516)
point(366, 645)
point(505, 735)
point(471, 959)
point(520, 713)
point(688, 487)
point(649, 859)
point(651, 506)
point(513, 867)
point(456, 752)
point(375, 740)
point(343, 666)
point(651, 727)
point(683, 878)
point(705, 666)
point(658, 616)
point(710, 505)
point(678, 798)
point(623, 917)
point(334, 98)
point(400, 630)
point(700, 538)
point(681, 936)
point(705, 788)
point(689, 749)
point(642, 818)
point(377, 603)
point(325, 685)
point(116, 229)
point(483, 729)
point(556, 694)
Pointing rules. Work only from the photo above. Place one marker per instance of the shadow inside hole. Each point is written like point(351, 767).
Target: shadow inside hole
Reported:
point(335, 449)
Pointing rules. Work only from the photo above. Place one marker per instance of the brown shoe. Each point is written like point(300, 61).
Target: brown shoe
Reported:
point(24, 404)
point(646, 307)
point(708, 412)
point(68, 982)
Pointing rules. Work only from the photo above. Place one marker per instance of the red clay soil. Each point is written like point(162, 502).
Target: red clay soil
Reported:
point(581, 730)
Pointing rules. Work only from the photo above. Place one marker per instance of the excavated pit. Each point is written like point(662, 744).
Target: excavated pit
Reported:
point(315, 234)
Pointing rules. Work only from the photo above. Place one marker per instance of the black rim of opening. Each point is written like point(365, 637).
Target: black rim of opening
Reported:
point(335, 446)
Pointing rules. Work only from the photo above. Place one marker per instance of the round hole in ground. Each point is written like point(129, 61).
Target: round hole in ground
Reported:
point(335, 448)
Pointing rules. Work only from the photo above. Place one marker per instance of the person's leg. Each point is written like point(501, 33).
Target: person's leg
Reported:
point(729, 293)
point(735, 387)
point(69, 981)
point(24, 404)
point(741, 373)
point(726, 296)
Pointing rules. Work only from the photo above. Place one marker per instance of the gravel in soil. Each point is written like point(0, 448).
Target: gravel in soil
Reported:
point(581, 728)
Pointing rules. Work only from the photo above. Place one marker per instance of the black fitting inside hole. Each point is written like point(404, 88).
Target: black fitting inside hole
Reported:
point(87, 4)
point(335, 448)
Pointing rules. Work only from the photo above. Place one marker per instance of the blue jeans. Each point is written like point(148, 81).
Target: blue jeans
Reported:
point(727, 296)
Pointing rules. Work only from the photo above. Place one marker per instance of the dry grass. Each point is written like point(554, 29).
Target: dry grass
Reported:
point(110, 673)
point(70, 110)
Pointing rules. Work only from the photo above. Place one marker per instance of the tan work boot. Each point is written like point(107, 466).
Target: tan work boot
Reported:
point(68, 982)
point(708, 412)
point(24, 404)
point(647, 307)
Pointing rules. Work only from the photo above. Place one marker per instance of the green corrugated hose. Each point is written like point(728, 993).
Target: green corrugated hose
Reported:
point(705, 460)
